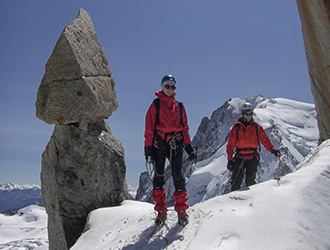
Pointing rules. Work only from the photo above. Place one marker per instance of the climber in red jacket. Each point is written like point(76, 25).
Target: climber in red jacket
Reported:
point(244, 143)
point(166, 134)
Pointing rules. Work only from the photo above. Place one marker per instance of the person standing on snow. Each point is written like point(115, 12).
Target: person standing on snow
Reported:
point(166, 130)
point(244, 140)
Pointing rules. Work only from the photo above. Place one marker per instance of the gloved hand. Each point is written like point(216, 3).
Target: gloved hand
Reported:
point(276, 152)
point(230, 165)
point(148, 153)
point(191, 152)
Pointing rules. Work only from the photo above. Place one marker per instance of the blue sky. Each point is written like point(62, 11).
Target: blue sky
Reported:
point(216, 49)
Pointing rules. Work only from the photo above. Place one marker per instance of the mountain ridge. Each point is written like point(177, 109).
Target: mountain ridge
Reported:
point(14, 196)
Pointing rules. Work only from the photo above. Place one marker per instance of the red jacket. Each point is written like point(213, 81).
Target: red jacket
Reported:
point(169, 120)
point(247, 138)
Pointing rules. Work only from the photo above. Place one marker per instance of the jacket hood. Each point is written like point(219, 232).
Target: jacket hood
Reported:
point(169, 101)
point(161, 95)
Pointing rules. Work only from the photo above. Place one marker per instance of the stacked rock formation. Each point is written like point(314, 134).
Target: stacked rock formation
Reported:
point(315, 19)
point(83, 166)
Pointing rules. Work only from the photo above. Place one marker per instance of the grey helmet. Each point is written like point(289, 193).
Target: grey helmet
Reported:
point(247, 107)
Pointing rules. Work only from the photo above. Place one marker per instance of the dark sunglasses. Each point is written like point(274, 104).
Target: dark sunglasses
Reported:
point(170, 87)
point(248, 114)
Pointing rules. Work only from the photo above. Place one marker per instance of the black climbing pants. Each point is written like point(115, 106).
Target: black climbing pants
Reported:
point(241, 167)
point(162, 151)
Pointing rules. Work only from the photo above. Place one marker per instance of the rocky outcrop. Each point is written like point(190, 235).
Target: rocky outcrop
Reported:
point(81, 171)
point(83, 166)
point(315, 19)
point(77, 86)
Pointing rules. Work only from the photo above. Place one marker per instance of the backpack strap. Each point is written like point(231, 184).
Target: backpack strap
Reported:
point(257, 132)
point(180, 104)
point(156, 104)
point(237, 129)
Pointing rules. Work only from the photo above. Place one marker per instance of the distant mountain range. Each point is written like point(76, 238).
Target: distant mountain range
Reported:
point(14, 197)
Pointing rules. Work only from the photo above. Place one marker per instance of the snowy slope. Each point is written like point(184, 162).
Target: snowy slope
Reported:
point(25, 230)
point(292, 214)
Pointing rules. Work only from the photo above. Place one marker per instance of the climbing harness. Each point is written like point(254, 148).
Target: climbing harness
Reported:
point(150, 164)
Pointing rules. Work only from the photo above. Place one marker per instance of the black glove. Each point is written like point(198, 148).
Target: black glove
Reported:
point(148, 151)
point(230, 165)
point(191, 152)
point(276, 152)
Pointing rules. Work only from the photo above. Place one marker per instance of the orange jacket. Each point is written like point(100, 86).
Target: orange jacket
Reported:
point(247, 139)
point(169, 120)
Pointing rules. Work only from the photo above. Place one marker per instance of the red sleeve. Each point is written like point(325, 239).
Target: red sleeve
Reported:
point(149, 125)
point(231, 143)
point(264, 139)
point(185, 132)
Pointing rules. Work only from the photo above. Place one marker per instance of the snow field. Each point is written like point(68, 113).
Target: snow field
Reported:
point(290, 214)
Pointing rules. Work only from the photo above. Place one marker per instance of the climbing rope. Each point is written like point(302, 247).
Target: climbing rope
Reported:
point(150, 164)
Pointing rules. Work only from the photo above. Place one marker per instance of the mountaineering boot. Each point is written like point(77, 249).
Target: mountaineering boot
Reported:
point(161, 207)
point(182, 218)
point(181, 206)
point(180, 198)
point(161, 217)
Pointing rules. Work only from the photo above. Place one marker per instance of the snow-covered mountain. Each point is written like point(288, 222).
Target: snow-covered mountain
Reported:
point(25, 230)
point(13, 196)
point(290, 125)
point(291, 213)
point(132, 192)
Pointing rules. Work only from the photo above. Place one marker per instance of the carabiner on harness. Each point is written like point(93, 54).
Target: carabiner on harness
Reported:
point(150, 168)
point(173, 144)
